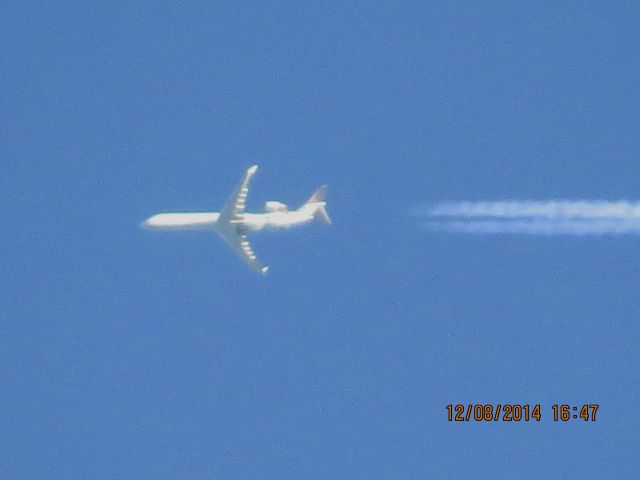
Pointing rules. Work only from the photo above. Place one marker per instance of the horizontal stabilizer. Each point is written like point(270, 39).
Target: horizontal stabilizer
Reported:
point(317, 201)
point(324, 216)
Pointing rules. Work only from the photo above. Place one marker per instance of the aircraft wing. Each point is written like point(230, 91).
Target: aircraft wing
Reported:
point(230, 217)
point(240, 244)
point(236, 205)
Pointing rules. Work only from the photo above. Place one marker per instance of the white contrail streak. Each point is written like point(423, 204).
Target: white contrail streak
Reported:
point(534, 217)
point(529, 209)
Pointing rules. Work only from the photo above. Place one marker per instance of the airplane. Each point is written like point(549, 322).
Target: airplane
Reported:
point(233, 223)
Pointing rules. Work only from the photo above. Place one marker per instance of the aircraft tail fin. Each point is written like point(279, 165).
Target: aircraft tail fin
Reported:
point(318, 196)
point(320, 204)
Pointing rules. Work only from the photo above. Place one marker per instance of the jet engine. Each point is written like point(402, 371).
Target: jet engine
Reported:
point(273, 206)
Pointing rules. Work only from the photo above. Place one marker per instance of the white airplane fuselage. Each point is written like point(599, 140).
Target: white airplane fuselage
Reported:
point(251, 222)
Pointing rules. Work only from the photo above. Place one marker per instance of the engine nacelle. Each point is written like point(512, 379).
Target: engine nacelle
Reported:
point(273, 206)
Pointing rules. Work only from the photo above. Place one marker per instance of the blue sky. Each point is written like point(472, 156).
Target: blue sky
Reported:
point(133, 354)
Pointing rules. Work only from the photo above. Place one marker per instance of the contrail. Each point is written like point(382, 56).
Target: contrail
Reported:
point(534, 217)
point(529, 209)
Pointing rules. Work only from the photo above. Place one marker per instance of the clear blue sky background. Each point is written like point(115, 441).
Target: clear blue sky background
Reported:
point(133, 354)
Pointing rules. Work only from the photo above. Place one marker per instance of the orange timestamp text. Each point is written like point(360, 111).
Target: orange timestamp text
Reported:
point(519, 412)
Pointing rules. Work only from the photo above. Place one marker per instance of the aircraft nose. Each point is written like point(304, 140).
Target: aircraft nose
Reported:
point(147, 224)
